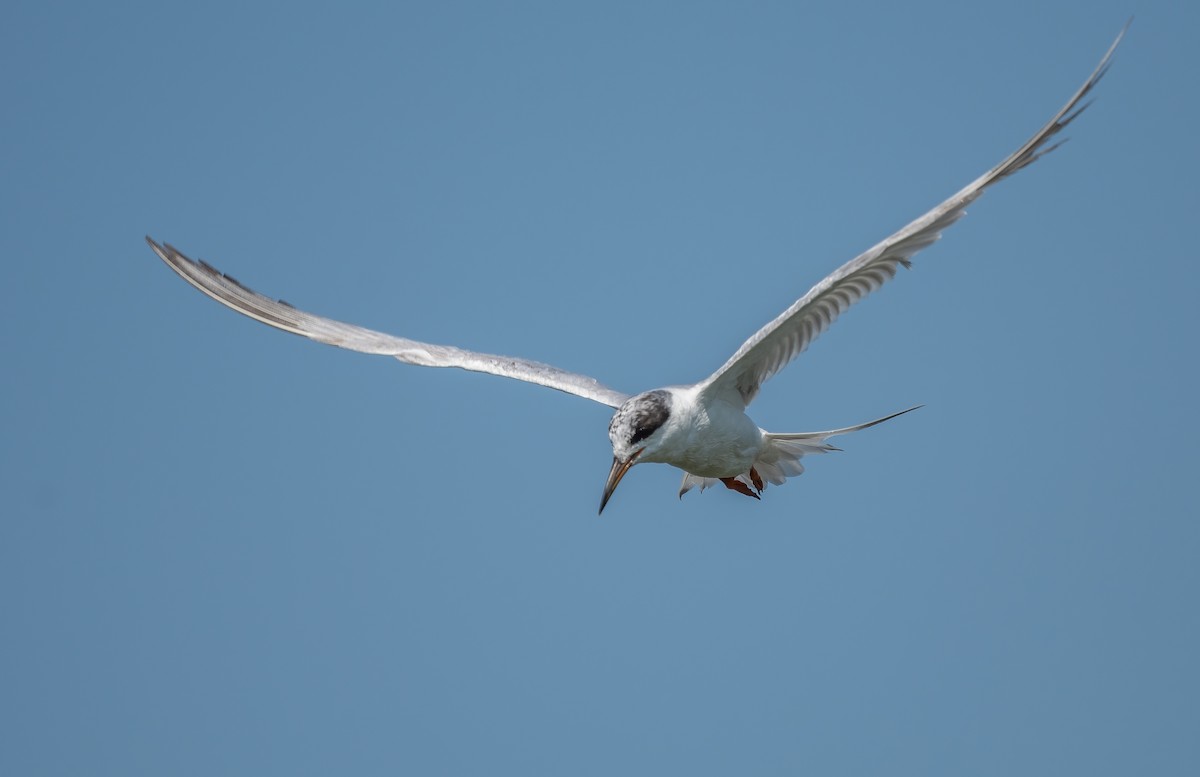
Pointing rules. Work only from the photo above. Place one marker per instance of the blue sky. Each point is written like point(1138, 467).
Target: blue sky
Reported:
point(226, 550)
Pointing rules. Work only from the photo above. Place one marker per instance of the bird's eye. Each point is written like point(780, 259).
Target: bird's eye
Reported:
point(641, 433)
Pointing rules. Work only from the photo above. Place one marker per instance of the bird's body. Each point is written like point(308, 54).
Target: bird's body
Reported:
point(702, 429)
point(710, 439)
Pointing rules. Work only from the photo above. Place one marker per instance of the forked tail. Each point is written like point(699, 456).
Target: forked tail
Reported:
point(780, 457)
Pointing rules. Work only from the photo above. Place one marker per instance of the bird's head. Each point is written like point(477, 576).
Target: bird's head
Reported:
point(636, 431)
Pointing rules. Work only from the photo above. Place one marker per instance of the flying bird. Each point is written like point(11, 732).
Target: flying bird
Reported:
point(701, 428)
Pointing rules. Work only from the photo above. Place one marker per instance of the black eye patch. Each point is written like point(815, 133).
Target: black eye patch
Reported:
point(641, 433)
point(650, 413)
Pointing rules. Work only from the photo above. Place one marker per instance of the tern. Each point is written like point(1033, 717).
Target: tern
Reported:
point(701, 428)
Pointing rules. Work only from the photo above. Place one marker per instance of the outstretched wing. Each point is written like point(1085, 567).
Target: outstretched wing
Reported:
point(780, 341)
point(281, 315)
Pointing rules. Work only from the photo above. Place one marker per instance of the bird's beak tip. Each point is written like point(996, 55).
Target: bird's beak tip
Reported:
point(619, 468)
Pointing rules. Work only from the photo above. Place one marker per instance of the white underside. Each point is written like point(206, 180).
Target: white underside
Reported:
point(777, 457)
point(716, 439)
point(711, 438)
point(778, 460)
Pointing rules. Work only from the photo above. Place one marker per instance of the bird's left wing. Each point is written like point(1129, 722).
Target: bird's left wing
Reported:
point(780, 341)
point(281, 315)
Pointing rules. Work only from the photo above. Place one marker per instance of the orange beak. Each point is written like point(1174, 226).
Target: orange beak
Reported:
point(619, 468)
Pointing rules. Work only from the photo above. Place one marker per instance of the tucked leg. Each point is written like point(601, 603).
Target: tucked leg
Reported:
point(756, 479)
point(736, 485)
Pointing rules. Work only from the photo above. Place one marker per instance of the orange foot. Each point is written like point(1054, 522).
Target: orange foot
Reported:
point(756, 479)
point(736, 485)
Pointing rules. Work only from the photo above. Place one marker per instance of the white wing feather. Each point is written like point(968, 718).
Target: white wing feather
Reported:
point(780, 341)
point(281, 315)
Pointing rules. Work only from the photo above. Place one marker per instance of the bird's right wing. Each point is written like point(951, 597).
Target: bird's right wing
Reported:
point(281, 315)
point(780, 341)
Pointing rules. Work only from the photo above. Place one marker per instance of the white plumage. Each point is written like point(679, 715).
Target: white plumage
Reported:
point(702, 429)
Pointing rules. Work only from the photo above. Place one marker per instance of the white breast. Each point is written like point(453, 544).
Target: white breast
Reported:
point(712, 440)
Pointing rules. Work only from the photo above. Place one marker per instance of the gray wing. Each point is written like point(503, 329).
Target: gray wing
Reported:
point(780, 341)
point(281, 315)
